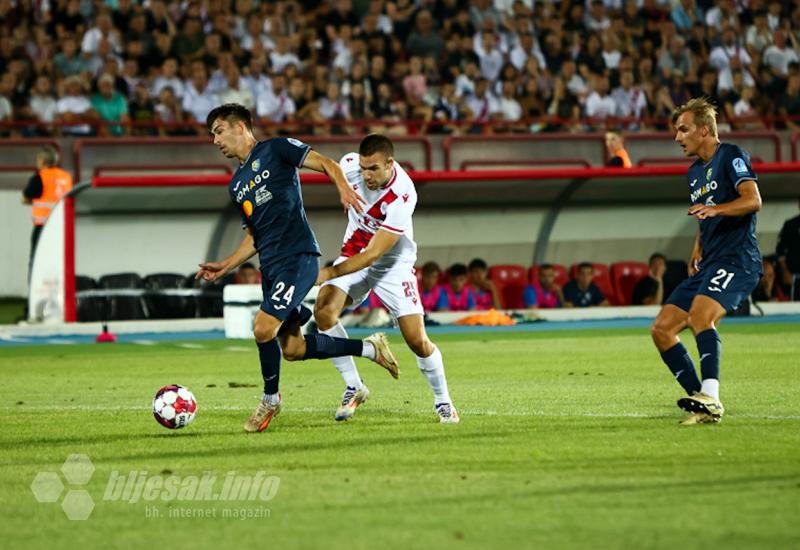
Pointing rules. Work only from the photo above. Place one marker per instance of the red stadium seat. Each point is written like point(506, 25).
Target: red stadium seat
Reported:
point(601, 278)
point(624, 276)
point(561, 274)
point(510, 281)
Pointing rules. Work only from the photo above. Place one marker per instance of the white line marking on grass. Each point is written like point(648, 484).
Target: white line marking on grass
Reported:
point(189, 345)
point(61, 342)
point(144, 342)
point(238, 348)
point(466, 412)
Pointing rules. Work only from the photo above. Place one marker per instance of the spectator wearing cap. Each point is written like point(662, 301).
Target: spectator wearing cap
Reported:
point(110, 105)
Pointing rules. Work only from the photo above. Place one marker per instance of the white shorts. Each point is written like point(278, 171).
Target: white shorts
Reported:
point(396, 286)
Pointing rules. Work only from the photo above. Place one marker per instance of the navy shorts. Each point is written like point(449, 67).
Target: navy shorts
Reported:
point(725, 282)
point(286, 283)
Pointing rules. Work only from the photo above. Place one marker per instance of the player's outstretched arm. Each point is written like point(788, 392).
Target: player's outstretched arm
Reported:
point(212, 271)
point(328, 166)
point(749, 201)
point(377, 247)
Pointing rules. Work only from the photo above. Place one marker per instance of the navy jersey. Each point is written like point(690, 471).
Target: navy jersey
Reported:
point(592, 296)
point(716, 182)
point(266, 189)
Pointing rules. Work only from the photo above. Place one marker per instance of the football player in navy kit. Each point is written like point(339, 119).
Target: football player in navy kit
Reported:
point(266, 190)
point(725, 264)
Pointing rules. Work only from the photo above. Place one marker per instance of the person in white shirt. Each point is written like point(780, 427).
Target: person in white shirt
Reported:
point(282, 56)
point(168, 77)
point(482, 104)
point(198, 100)
point(235, 91)
point(525, 48)
point(491, 60)
point(103, 29)
point(275, 104)
point(378, 254)
point(599, 104)
point(629, 100)
point(256, 79)
point(42, 104)
point(74, 106)
point(508, 106)
point(758, 35)
point(596, 19)
point(720, 57)
point(780, 55)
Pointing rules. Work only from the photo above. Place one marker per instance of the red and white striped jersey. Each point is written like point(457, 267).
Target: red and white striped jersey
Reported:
point(389, 208)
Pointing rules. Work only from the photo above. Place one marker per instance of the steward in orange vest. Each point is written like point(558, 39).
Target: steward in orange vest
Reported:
point(44, 190)
point(616, 150)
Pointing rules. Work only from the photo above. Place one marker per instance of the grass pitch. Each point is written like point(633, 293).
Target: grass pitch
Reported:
point(568, 440)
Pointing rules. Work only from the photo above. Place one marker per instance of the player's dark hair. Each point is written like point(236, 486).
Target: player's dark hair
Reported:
point(431, 267)
point(247, 265)
point(477, 263)
point(584, 265)
point(457, 270)
point(655, 255)
point(230, 113)
point(376, 143)
point(545, 266)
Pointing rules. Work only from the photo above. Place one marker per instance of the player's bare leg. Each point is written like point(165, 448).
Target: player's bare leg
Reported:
point(429, 360)
point(704, 316)
point(265, 330)
point(331, 301)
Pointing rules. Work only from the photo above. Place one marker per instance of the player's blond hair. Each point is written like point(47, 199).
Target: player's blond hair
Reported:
point(705, 114)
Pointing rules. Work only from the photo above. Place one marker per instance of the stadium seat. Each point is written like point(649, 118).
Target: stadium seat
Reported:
point(624, 276)
point(123, 307)
point(210, 304)
point(168, 307)
point(510, 281)
point(89, 309)
point(601, 278)
point(561, 274)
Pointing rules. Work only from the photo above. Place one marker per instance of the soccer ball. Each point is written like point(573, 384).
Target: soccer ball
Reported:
point(174, 406)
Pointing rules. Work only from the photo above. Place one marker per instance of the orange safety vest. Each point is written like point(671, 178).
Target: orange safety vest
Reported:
point(55, 184)
point(626, 160)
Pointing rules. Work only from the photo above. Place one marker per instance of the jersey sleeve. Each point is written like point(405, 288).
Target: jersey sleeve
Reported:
point(738, 167)
point(291, 151)
point(350, 167)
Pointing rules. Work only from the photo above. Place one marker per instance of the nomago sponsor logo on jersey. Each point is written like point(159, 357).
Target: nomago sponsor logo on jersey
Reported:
point(253, 182)
point(710, 186)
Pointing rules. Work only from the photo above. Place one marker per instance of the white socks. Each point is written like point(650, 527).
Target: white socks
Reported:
point(433, 369)
point(711, 387)
point(272, 398)
point(346, 365)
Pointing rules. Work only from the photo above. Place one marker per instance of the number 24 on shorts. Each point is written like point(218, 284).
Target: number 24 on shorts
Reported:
point(280, 286)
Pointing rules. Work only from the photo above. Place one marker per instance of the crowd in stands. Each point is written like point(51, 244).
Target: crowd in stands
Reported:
point(80, 67)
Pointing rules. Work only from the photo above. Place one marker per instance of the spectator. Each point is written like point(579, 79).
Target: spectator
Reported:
point(168, 76)
point(333, 107)
point(629, 100)
point(282, 55)
point(685, 14)
point(599, 104)
point(467, 80)
point(582, 292)
point(789, 103)
point(615, 145)
point(415, 85)
point(596, 19)
point(275, 105)
point(745, 112)
point(779, 55)
point(74, 108)
point(482, 105)
point(486, 295)
point(255, 77)
point(526, 47)
point(721, 56)
point(102, 31)
point(767, 290)
point(456, 295)
point(424, 40)
point(575, 83)
point(198, 100)
point(235, 90)
point(490, 58)
point(788, 252)
point(544, 293)
point(247, 274)
point(42, 105)
point(142, 112)
point(430, 291)
point(6, 110)
point(674, 59)
point(758, 35)
point(169, 112)
point(509, 108)
point(359, 105)
point(447, 110)
point(189, 42)
point(650, 290)
point(69, 61)
point(110, 105)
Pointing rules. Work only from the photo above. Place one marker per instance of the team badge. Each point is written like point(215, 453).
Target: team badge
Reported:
point(739, 166)
point(255, 165)
point(708, 173)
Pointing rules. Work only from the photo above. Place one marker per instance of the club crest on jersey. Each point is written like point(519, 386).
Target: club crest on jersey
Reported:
point(255, 165)
point(739, 166)
point(708, 173)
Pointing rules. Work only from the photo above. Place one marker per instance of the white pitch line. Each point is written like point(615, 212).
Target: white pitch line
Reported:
point(144, 342)
point(463, 412)
point(239, 348)
point(188, 345)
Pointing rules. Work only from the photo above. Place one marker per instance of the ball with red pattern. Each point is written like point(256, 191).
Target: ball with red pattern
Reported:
point(174, 406)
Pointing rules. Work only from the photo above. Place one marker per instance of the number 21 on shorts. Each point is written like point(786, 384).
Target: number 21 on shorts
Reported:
point(287, 295)
point(717, 282)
